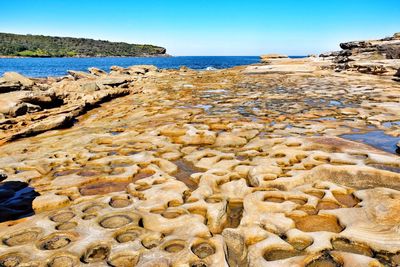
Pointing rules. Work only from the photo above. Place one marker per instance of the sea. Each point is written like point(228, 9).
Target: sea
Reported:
point(46, 67)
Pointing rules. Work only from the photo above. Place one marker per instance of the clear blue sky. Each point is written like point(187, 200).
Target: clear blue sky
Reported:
point(213, 27)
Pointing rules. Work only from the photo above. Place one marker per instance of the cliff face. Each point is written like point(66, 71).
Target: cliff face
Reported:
point(48, 46)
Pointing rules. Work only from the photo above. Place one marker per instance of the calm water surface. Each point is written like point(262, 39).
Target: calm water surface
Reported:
point(43, 67)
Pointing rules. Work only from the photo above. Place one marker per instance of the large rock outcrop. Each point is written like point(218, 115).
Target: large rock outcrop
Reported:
point(381, 57)
point(31, 106)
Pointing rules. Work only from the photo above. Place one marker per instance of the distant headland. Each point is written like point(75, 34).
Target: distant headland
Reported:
point(18, 45)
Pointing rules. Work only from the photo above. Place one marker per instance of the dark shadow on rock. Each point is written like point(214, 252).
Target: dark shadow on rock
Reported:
point(16, 200)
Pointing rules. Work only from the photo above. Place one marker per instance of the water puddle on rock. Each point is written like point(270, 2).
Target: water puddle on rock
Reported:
point(386, 167)
point(103, 187)
point(376, 139)
point(316, 223)
point(185, 169)
point(335, 103)
point(389, 124)
point(16, 200)
point(327, 119)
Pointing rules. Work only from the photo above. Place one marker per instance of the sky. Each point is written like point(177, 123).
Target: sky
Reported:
point(209, 27)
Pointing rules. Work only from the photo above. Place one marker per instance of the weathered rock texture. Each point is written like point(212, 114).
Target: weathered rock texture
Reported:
point(29, 107)
point(213, 168)
point(373, 56)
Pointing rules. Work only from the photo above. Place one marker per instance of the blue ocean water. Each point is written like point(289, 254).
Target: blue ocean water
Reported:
point(44, 67)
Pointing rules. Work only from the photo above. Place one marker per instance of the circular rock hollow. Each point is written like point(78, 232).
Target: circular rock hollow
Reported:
point(11, 260)
point(300, 243)
point(124, 260)
point(274, 199)
point(120, 202)
point(308, 209)
point(275, 254)
point(129, 235)
point(298, 200)
point(22, 237)
point(345, 245)
point(203, 250)
point(89, 217)
point(173, 213)
point(174, 203)
point(316, 193)
point(115, 221)
point(348, 200)
point(174, 246)
point(66, 226)
point(327, 205)
point(96, 253)
point(55, 241)
point(152, 241)
point(158, 210)
point(93, 208)
point(316, 223)
point(325, 260)
point(63, 216)
point(63, 260)
point(142, 187)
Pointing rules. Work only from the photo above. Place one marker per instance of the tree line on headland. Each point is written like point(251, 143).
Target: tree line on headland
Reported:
point(47, 46)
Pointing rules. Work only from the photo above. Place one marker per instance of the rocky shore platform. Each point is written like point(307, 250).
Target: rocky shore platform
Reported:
point(290, 162)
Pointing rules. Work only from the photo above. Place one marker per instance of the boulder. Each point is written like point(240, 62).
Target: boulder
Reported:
point(96, 71)
point(9, 101)
point(111, 82)
point(33, 108)
point(80, 75)
point(18, 110)
point(116, 68)
point(46, 99)
point(14, 77)
point(6, 87)
point(355, 44)
point(48, 123)
point(141, 69)
point(89, 87)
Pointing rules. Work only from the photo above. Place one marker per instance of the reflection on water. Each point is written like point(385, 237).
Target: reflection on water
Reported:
point(377, 139)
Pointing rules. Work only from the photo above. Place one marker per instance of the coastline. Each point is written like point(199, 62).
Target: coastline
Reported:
point(266, 162)
point(142, 56)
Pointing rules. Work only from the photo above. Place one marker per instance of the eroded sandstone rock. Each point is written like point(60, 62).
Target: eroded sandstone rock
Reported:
point(200, 168)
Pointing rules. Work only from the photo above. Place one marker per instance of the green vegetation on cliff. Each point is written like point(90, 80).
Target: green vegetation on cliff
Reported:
point(48, 46)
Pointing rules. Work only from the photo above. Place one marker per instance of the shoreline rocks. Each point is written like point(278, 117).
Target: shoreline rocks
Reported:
point(377, 57)
point(257, 160)
point(267, 57)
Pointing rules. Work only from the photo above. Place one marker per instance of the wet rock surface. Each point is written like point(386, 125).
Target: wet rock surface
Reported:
point(210, 168)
